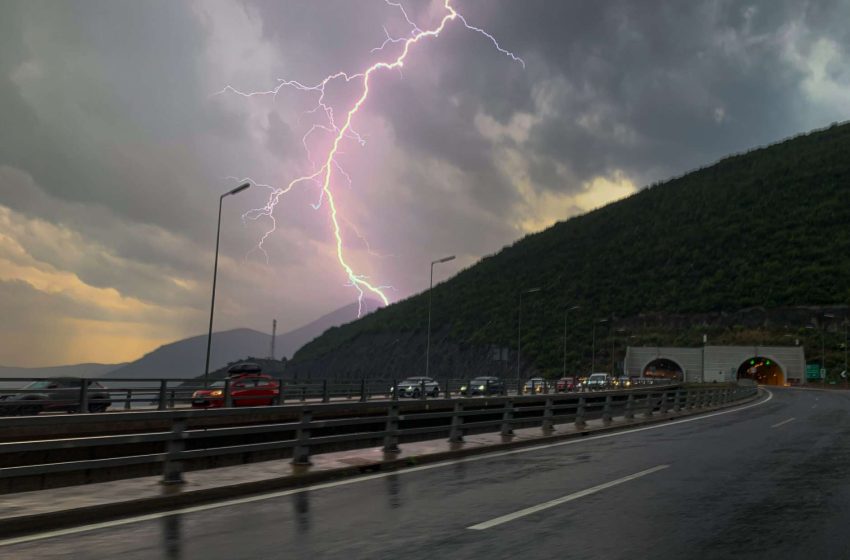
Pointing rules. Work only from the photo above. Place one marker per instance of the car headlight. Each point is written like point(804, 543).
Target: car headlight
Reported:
point(216, 393)
point(481, 387)
point(463, 388)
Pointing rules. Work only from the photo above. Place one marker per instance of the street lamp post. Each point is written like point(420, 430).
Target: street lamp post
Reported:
point(566, 311)
point(846, 373)
point(823, 345)
point(519, 329)
point(238, 189)
point(593, 344)
point(430, 296)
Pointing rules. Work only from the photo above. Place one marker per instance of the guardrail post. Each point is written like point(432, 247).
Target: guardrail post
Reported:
point(629, 414)
point(519, 387)
point(581, 410)
point(422, 395)
point(281, 396)
point(163, 392)
point(448, 391)
point(228, 394)
point(391, 435)
point(395, 389)
point(303, 393)
point(677, 401)
point(171, 400)
point(507, 418)
point(128, 400)
point(84, 395)
point(548, 420)
point(649, 405)
point(326, 397)
point(363, 396)
point(301, 451)
point(456, 431)
point(172, 469)
point(606, 412)
point(665, 401)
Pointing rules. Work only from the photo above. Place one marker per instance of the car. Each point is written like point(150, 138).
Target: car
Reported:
point(565, 384)
point(56, 394)
point(598, 381)
point(246, 389)
point(484, 385)
point(413, 386)
point(535, 385)
point(622, 382)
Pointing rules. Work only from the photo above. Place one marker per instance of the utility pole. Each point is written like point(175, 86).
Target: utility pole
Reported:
point(274, 335)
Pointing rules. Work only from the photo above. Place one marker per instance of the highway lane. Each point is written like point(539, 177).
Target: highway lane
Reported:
point(771, 481)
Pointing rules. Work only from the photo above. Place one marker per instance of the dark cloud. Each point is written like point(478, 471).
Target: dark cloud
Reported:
point(114, 146)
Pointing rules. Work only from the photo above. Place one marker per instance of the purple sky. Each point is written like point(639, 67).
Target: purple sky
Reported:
point(115, 147)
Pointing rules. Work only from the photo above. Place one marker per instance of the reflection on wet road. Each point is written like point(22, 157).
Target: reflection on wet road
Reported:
point(771, 481)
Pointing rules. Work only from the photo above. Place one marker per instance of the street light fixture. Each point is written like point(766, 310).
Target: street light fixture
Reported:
point(566, 311)
point(430, 296)
point(233, 191)
point(519, 329)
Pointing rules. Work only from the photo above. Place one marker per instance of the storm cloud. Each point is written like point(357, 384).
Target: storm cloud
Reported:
point(116, 143)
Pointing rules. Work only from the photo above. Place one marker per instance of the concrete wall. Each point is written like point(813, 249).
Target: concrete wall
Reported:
point(721, 363)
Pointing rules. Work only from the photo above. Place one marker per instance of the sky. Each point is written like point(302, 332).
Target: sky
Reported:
point(122, 125)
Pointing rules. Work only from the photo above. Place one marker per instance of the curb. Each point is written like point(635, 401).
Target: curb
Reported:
point(27, 524)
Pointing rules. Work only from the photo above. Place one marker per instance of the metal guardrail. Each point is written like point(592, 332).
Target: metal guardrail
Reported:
point(363, 427)
point(101, 394)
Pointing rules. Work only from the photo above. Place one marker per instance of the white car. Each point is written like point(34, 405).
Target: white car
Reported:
point(598, 381)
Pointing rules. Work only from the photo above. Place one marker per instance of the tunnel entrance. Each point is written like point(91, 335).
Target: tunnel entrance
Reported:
point(663, 368)
point(763, 371)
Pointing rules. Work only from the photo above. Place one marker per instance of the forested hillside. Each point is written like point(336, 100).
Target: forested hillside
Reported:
point(766, 229)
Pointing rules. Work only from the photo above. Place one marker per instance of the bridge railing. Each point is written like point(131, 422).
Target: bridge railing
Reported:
point(101, 394)
point(389, 423)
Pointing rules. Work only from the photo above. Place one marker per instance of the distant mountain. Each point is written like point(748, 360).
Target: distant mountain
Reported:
point(76, 370)
point(185, 358)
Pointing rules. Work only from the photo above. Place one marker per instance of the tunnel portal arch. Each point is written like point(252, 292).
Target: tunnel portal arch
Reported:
point(763, 370)
point(664, 368)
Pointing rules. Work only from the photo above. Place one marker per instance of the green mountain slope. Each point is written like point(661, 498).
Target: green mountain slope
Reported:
point(769, 228)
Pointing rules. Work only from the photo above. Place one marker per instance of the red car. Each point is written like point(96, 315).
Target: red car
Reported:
point(566, 384)
point(252, 389)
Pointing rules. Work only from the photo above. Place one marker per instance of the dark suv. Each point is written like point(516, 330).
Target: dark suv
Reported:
point(485, 385)
point(55, 394)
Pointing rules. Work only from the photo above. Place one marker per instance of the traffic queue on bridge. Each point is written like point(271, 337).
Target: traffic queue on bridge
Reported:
point(246, 384)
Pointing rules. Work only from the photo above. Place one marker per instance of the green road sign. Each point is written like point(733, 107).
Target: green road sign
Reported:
point(813, 371)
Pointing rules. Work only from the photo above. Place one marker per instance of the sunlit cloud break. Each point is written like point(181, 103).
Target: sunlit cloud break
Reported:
point(327, 167)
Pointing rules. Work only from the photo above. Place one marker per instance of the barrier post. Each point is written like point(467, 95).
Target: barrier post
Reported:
point(580, 412)
point(228, 394)
point(456, 431)
point(301, 451)
point(163, 390)
point(391, 435)
point(172, 469)
point(507, 418)
point(630, 407)
point(606, 411)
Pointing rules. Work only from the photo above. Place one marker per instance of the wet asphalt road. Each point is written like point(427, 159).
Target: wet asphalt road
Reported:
point(746, 484)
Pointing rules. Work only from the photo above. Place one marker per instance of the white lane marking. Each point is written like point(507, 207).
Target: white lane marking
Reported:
point(783, 423)
point(552, 503)
point(345, 482)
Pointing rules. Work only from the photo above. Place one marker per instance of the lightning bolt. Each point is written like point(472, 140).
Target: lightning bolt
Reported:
point(340, 130)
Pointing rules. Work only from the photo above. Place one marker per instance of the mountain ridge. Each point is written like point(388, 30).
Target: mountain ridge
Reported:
point(763, 228)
